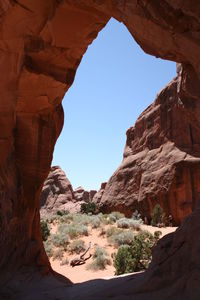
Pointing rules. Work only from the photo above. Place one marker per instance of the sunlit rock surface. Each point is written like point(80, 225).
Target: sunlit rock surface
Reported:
point(161, 160)
point(58, 194)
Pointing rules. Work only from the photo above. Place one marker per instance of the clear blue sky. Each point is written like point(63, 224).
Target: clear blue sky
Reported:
point(114, 83)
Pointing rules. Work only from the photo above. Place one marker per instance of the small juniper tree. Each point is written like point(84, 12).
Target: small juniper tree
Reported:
point(88, 208)
point(45, 230)
point(157, 215)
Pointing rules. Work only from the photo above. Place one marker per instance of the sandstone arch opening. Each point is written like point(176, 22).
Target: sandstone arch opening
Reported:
point(31, 120)
point(114, 83)
point(101, 108)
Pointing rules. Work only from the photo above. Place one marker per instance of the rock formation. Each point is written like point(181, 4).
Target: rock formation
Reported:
point(42, 43)
point(98, 196)
point(57, 194)
point(161, 160)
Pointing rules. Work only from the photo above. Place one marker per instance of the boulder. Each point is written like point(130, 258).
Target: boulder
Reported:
point(57, 193)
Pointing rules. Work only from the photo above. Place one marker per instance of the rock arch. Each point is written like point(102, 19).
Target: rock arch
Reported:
point(41, 45)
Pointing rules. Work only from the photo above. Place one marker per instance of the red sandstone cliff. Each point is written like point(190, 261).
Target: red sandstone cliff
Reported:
point(161, 160)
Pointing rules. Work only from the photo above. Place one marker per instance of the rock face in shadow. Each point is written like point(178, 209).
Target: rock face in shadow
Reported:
point(161, 160)
point(41, 45)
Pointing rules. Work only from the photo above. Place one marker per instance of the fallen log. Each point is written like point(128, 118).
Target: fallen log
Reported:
point(77, 261)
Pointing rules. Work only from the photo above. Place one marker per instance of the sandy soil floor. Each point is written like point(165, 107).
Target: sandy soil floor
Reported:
point(81, 273)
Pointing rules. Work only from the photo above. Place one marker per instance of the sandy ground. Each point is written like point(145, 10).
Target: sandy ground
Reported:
point(80, 273)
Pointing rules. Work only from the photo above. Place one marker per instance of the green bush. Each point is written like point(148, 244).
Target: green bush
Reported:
point(95, 221)
point(129, 223)
point(100, 260)
point(111, 219)
point(58, 254)
point(77, 246)
point(157, 215)
point(83, 219)
point(64, 261)
point(60, 239)
point(123, 260)
point(137, 216)
point(117, 215)
point(66, 218)
point(62, 212)
point(105, 219)
point(48, 248)
point(51, 218)
point(122, 238)
point(136, 224)
point(157, 235)
point(135, 257)
point(123, 223)
point(112, 231)
point(45, 230)
point(73, 230)
point(88, 208)
point(77, 230)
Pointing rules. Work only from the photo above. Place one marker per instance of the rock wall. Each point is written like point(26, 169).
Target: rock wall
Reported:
point(58, 194)
point(161, 160)
point(41, 45)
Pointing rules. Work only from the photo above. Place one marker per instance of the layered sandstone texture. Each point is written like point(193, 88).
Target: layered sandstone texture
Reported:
point(41, 45)
point(58, 194)
point(161, 160)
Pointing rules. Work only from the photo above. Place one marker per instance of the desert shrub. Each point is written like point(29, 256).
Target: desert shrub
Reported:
point(137, 216)
point(111, 219)
point(95, 221)
point(58, 254)
point(135, 257)
point(122, 238)
point(123, 260)
point(62, 212)
point(157, 234)
point(100, 260)
point(45, 230)
point(117, 215)
point(63, 228)
point(129, 223)
point(83, 219)
point(112, 231)
point(77, 230)
point(105, 219)
point(66, 218)
point(88, 208)
point(77, 246)
point(135, 224)
point(50, 219)
point(156, 215)
point(72, 230)
point(64, 261)
point(123, 223)
point(60, 239)
point(48, 248)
